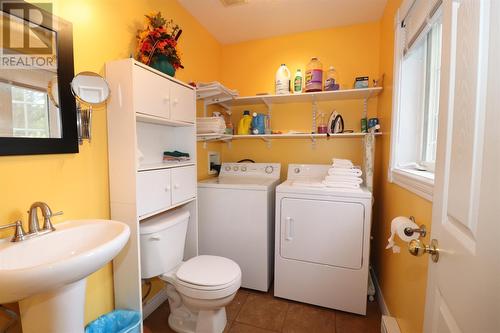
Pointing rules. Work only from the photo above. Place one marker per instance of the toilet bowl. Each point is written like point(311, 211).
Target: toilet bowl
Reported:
point(198, 289)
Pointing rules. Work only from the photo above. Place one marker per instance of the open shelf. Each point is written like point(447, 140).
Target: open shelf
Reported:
point(225, 137)
point(164, 165)
point(213, 137)
point(347, 94)
point(160, 121)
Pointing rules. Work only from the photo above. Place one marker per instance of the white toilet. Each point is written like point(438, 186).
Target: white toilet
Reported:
point(198, 289)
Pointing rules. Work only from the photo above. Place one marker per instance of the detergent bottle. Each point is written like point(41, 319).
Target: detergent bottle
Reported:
point(245, 123)
point(314, 75)
point(282, 80)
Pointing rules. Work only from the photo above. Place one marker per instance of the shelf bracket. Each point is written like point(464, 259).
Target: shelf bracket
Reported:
point(365, 108)
point(314, 113)
point(313, 142)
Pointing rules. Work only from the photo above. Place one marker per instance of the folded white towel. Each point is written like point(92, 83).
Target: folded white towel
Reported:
point(303, 183)
point(340, 184)
point(342, 162)
point(342, 166)
point(346, 179)
point(355, 172)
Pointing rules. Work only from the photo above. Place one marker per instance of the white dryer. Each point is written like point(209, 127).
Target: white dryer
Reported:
point(322, 245)
point(236, 219)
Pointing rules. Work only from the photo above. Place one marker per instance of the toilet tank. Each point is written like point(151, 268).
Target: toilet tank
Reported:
point(162, 242)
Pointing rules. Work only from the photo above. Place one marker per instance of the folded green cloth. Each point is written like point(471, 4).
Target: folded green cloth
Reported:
point(175, 154)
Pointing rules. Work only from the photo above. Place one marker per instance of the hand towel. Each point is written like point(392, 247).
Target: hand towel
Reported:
point(354, 172)
point(342, 162)
point(346, 179)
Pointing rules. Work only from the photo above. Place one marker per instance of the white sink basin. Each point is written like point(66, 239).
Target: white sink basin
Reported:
point(53, 266)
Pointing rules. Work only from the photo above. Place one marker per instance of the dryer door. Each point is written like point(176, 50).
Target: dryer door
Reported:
point(322, 232)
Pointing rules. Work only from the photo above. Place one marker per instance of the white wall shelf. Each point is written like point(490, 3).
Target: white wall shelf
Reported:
point(164, 165)
point(160, 121)
point(225, 137)
point(347, 94)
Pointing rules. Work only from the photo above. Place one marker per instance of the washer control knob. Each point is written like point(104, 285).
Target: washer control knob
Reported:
point(296, 170)
point(243, 168)
point(269, 169)
point(235, 168)
point(227, 168)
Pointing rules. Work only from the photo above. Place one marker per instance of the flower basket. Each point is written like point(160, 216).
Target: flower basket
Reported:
point(157, 44)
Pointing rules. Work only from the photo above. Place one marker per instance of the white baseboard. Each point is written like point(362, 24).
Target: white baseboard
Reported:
point(154, 303)
point(380, 297)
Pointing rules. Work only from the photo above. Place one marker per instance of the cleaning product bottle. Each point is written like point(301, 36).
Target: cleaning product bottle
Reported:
point(297, 82)
point(331, 82)
point(245, 123)
point(314, 75)
point(282, 80)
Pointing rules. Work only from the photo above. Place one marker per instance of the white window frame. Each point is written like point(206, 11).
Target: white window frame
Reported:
point(416, 181)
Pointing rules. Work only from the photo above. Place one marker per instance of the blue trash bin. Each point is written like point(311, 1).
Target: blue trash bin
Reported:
point(118, 321)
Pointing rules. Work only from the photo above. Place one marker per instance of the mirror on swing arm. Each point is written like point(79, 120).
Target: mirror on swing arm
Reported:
point(91, 91)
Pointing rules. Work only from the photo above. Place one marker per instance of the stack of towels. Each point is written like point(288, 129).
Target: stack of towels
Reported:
point(343, 175)
point(210, 125)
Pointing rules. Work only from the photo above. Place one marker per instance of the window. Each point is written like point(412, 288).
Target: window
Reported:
point(30, 115)
point(416, 97)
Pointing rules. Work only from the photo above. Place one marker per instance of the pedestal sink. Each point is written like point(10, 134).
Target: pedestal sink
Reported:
point(47, 274)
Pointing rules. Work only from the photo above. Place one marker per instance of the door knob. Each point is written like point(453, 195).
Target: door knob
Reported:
point(418, 248)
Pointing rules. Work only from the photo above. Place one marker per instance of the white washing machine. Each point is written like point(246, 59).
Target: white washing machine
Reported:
point(236, 219)
point(322, 241)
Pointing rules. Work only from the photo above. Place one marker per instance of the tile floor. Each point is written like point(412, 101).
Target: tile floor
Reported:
point(256, 312)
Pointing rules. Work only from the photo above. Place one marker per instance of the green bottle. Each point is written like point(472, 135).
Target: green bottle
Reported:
point(297, 82)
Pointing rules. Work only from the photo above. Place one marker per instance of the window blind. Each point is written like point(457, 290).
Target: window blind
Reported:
point(418, 20)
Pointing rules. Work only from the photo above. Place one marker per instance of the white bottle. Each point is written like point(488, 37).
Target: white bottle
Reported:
point(282, 80)
point(331, 82)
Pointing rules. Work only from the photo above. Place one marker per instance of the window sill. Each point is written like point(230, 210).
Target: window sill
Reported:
point(419, 182)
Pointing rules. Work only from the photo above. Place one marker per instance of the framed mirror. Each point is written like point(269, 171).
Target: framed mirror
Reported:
point(37, 108)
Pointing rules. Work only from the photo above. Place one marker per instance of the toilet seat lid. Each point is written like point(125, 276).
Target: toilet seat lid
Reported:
point(208, 271)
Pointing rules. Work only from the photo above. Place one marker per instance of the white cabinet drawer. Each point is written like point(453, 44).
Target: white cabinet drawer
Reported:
point(153, 191)
point(183, 184)
point(182, 103)
point(151, 93)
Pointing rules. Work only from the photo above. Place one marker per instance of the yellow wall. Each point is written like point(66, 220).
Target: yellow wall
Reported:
point(402, 277)
point(78, 183)
point(250, 68)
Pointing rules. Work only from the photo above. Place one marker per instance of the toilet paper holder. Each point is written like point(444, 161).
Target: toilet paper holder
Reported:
point(410, 231)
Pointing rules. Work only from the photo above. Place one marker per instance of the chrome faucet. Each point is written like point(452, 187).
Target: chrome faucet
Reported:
point(19, 234)
point(34, 226)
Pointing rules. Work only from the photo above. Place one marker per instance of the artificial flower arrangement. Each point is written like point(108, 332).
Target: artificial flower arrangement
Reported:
point(158, 42)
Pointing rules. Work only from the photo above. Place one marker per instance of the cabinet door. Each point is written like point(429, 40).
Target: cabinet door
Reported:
point(151, 93)
point(182, 103)
point(322, 232)
point(153, 191)
point(183, 184)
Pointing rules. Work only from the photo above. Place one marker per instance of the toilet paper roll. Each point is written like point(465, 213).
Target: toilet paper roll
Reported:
point(398, 226)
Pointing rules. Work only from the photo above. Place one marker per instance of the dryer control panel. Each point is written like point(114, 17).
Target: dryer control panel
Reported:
point(267, 170)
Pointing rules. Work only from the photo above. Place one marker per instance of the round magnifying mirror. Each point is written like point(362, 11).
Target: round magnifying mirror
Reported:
point(53, 91)
point(90, 88)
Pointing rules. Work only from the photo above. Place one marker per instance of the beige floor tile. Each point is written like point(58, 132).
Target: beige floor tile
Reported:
point(158, 320)
point(234, 307)
point(263, 311)
point(351, 323)
point(302, 318)
point(242, 328)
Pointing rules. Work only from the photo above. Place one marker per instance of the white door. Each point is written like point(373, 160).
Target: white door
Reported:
point(182, 103)
point(183, 184)
point(322, 232)
point(151, 93)
point(463, 290)
point(153, 191)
